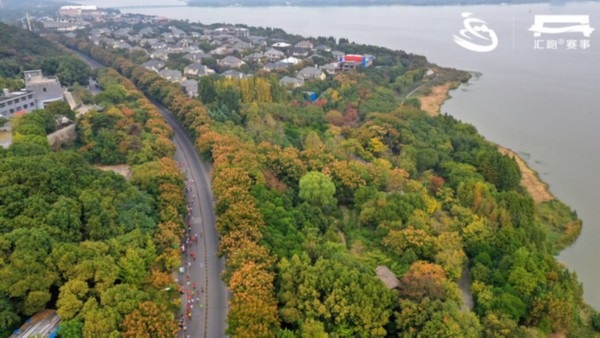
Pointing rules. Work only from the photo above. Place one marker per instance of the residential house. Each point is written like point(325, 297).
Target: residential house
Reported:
point(177, 32)
point(304, 44)
point(171, 75)
point(225, 38)
point(337, 54)
point(350, 65)
point(111, 43)
point(123, 32)
point(311, 73)
point(154, 65)
point(139, 49)
point(330, 68)
point(196, 56)
point(300, 52)
point(274, 54)
point(146, 31)
point(197, 69)
point(160, 54)
point(291, 60)
point(239, 32)
point(155, 44)
point(185, 43)
point(222, 50)
point(100, 31)
point(123, 45)
point(274, 66)
point(103, 41)
point(168, 37)
point(231, 61)
point(135, 38)
point(45, 89)
point(254, 57)
point(191, 87)
point(241, 46)
point(234, 74)
point(205, 37)
point(281, 45)
point(291, 82)
point(323, 48)
point(258, 40)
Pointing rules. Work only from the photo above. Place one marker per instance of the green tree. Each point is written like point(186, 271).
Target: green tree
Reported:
point(500, 170)
point(336, 296)
point(71, 328)
point(435, 318)
point(8, 317)
point(72, 70)
point(317, 189)
point(59, 110)
point(71, 298)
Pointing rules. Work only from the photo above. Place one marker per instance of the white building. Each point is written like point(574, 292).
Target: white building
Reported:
point(13, 102)
point(45, 89)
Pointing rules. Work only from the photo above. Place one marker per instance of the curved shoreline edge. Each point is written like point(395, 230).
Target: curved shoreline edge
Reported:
point(531, 181)
point(565, 230)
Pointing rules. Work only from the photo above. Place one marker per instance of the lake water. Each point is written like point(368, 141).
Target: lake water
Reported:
point(544, 104)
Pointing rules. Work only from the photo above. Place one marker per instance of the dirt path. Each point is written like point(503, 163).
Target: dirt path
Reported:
point(464, 284)
point(121, 169)
point(5, 138)
point(432, 103)
point(530, 180)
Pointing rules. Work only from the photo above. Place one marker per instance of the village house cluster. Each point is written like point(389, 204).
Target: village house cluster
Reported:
point(229, 51)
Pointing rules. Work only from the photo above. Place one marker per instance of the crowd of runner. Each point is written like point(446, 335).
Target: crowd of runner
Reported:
point(190, 293)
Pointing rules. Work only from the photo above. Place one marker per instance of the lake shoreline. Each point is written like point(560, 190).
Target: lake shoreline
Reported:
point(531, 181)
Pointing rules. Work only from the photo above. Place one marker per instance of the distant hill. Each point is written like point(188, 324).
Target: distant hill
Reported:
point(357, 2)
point(22, 49)
point(13, 10)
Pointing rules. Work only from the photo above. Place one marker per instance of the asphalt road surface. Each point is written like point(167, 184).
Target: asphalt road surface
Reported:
point(209, 320)
point(210, 311)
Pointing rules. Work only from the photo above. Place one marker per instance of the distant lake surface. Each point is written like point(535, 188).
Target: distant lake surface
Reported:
point(544, 104)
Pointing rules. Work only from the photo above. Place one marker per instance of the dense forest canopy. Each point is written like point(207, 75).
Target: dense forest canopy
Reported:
point(312, 197)
point(96, 247)
point(21, 50)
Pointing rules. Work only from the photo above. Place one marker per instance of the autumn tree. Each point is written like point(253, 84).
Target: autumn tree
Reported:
point(424, 280)
point(149, 320)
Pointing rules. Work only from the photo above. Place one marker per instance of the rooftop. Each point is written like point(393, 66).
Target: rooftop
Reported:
point(37, 77)
point(387, 277)
point(43, 324)
point(6, 95)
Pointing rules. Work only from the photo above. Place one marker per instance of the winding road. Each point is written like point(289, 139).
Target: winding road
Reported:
point(209, 315)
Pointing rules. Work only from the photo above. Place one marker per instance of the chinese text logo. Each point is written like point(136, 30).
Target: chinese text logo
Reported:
point(561, 24)
point(581, 24)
